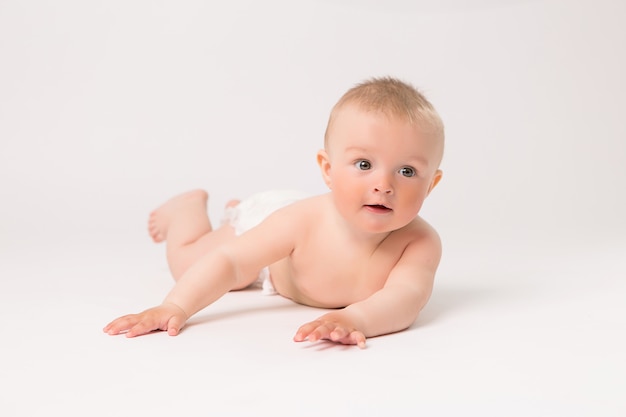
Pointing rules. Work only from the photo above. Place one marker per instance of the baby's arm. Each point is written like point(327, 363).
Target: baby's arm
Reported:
point(393, 308)
point(232, 266)
point(203, 283)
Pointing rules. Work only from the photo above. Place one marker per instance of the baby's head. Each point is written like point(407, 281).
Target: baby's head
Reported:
point(382, 150)
point(394, 99)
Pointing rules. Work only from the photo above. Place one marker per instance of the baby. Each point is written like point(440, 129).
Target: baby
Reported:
point(360, 249)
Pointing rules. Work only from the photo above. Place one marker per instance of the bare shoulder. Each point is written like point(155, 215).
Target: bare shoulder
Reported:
point(293, 221)
point(421, 242)
point(301, 210)
point(420, 232)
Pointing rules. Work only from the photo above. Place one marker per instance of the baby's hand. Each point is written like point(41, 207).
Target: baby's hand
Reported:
point(167, 317)
point(332, 326)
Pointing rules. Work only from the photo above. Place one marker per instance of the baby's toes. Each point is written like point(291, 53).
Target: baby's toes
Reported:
point(155, 233)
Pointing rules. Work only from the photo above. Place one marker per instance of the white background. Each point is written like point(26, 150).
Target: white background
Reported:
point(108, 108)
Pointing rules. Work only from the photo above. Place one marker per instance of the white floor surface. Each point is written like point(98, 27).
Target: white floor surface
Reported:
point(501, 336)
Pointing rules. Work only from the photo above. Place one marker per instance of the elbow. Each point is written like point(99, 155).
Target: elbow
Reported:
point(234, 272)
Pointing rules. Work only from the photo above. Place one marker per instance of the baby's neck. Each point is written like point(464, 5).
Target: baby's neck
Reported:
point(356, 237)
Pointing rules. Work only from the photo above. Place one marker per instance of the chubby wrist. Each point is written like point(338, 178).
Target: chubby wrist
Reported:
point(172, 305)
point(351, 315)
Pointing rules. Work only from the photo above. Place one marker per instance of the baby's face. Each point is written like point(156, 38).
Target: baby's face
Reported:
point(379, 168)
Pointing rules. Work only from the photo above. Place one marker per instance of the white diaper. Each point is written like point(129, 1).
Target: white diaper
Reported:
point(252, 211)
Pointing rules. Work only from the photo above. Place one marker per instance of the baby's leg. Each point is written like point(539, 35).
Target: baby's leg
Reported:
point(184, 224)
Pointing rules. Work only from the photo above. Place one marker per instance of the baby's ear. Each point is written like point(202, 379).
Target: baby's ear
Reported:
point(324, 162)
point(435, 181)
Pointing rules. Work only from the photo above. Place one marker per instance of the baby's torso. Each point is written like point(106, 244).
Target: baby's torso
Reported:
point(327, 271)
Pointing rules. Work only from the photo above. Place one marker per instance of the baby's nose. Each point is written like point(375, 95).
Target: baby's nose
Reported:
point(383, 185)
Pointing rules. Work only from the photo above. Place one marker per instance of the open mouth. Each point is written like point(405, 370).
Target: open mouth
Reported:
point(378, 208)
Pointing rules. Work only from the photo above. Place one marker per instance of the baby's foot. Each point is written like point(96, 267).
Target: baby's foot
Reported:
point(159, 221)
point(233, 203)
point(229, 212)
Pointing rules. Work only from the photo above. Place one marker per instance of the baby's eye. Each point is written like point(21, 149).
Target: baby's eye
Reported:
point(363, 164)
point(407, 172)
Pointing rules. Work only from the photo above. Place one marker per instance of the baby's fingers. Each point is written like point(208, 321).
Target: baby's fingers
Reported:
point(347, 337)
point(174, 325)
point(319, 329)
point(314, 331)
point(121, 324)
point(357, 338)
point(305, 330)
point(167, 317)
point(142, 327)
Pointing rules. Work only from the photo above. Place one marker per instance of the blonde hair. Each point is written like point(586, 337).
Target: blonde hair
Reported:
point(393, 98)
